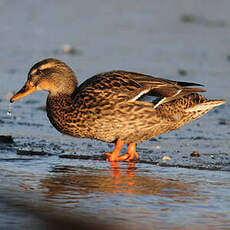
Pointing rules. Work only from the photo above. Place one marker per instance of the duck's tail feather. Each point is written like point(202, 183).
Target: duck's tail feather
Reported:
point(182, 83)
point(205, 106)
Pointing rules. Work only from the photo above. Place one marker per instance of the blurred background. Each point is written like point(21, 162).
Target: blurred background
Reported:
point(44, 175)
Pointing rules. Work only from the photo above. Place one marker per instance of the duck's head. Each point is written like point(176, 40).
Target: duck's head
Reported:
point(51, 75)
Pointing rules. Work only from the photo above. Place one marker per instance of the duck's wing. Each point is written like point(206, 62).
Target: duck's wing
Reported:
point(118, 86)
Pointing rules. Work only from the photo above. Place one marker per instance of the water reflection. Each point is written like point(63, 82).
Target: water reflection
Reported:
point(72, 184)
point(116, 169)
point(126, 194)
point(117, 194)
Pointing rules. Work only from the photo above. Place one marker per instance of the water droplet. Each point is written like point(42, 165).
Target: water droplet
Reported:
point(9, 112)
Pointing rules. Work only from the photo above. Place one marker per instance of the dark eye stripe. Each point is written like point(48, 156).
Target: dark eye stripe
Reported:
point(38, 71)
point(45, 71)
point(49, 70)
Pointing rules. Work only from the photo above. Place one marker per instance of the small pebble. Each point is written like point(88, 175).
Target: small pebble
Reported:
point(187, 18)
point(224, 122)
point(182, 72)
point(166, 158)
point(68, 49)
point(156, 146)
point(195, 154)
point(212, 156)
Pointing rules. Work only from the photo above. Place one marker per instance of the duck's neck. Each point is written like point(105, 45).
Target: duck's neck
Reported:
point(59, 101)
point(60, 109)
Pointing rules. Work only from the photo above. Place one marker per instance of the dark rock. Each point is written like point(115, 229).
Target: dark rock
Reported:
point(82, 157)
point(6, 139)
point(31, 153)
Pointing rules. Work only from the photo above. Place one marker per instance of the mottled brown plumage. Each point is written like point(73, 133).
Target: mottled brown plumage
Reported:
point(111, 107)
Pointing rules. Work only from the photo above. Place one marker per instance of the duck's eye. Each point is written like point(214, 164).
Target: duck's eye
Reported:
point(39, 71)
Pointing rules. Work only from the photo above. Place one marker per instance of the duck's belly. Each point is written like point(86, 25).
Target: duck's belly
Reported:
point(125, 123)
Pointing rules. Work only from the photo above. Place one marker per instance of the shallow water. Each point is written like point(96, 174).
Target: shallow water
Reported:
point(45, 175)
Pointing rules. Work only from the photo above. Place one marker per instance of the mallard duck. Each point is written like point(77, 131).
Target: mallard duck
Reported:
point(111, 106)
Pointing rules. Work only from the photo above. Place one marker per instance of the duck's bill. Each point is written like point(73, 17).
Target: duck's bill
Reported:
point(25, 90)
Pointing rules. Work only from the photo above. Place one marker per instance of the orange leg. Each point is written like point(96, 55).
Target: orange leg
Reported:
point(131, 151)
point(114, 156)
point(129, 156)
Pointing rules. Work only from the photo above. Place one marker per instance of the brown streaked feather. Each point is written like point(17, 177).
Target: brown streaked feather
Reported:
point(123, 86)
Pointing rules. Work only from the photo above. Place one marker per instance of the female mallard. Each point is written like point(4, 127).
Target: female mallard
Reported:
point(110, 106)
